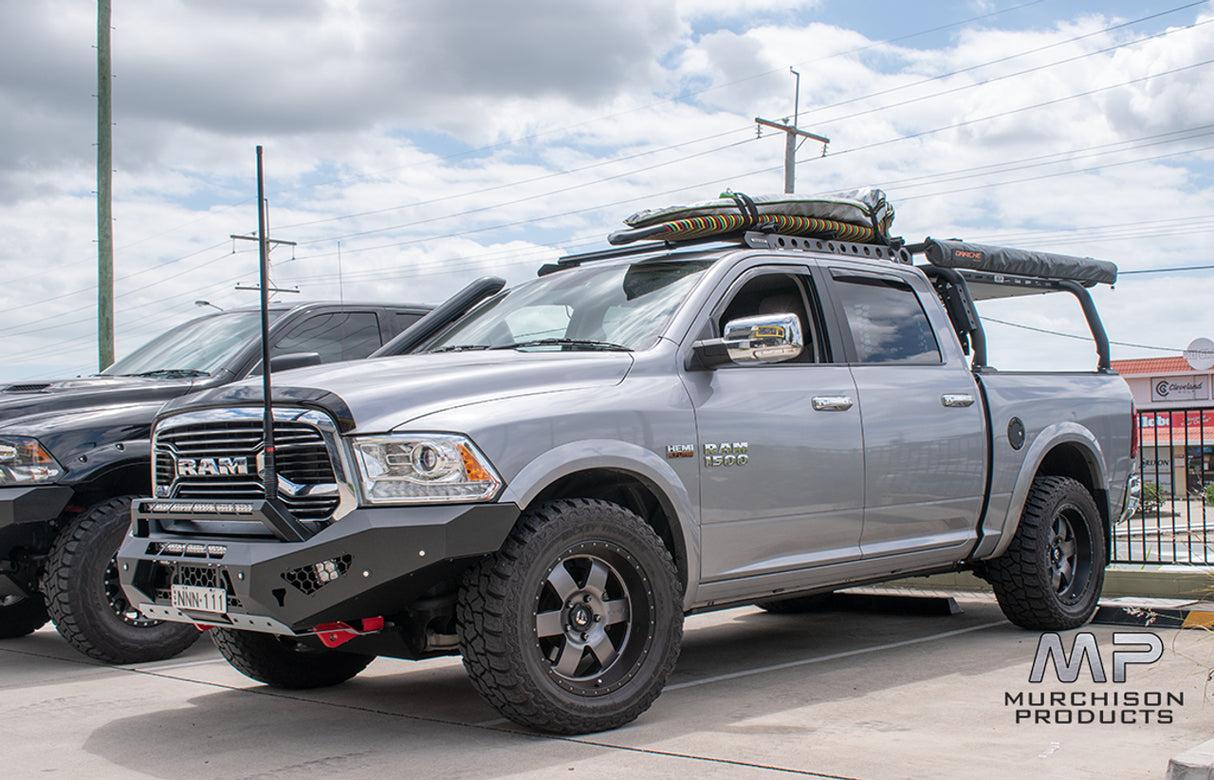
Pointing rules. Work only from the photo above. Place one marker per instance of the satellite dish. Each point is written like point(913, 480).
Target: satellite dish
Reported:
point(1200, 354)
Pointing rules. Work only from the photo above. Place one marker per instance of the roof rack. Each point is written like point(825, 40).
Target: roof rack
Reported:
point(573, 261)
point(754, 239)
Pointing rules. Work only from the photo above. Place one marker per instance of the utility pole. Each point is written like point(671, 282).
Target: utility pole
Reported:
point(269, 243)
point(790, 142)
point(105, 220)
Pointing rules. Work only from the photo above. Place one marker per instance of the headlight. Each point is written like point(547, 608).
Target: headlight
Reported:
point(423, 469)
point(24, 461)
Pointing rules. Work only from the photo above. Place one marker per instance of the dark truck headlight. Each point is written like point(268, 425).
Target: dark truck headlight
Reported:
point(423, 469)
point(24, 461)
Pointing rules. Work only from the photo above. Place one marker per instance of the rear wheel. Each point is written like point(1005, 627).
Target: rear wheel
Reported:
point(21, 615)
point(86, 601)
point(574, 625)
point(284, 662)
point(1050, 577)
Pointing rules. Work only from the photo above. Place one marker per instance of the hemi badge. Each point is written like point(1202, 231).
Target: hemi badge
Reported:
point(680, 451)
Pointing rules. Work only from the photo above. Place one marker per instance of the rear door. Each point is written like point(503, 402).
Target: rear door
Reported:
point(923, 427)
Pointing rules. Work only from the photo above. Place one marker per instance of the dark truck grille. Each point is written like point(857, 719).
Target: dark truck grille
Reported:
point(219, 461)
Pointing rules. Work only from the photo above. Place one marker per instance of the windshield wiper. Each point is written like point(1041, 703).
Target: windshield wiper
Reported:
point(459, 348)
point(578, 343)
point(172, 373)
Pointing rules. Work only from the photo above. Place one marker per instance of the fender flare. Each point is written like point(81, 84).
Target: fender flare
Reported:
point(608, 454)
point(1043, 444)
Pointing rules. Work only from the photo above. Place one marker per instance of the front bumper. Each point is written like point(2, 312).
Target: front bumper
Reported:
point(26, 515)
point(372, 562)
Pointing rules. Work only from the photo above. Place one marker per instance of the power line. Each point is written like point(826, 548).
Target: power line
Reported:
point(837, 154)
point(519, 182)
point(1009, 112)
point(1075, 336)
point(1168, 270)
point(718, 135)
point(989, 81)
point(638, 171)
point(684, 96)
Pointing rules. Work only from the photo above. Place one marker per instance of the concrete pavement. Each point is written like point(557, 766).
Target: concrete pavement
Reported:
point(834, 694)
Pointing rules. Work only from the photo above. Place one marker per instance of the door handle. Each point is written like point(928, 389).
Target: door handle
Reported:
point(831, 403)
point(957, 399)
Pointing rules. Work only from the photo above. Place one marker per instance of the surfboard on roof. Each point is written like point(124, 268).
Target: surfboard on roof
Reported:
point(861, 215)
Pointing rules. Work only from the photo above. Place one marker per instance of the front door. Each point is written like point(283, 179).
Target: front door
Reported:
point(781, 461)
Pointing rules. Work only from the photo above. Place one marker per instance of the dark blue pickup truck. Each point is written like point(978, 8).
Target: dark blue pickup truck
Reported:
point(73, 452)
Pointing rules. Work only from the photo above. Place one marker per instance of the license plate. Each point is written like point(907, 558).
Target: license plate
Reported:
point(199, 599)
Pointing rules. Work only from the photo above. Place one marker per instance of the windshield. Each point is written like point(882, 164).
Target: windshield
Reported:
point(614, 307)
point(195, 348)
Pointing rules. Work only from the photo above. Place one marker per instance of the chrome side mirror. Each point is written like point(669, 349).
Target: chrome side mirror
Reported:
point(763, 338)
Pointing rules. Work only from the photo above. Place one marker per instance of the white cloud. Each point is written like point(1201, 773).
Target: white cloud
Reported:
point(439, 141)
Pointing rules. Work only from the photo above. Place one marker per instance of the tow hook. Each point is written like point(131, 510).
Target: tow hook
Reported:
point(337, 634)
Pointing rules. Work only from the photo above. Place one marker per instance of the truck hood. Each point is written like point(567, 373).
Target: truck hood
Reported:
point(90, 392)
point(383, 393)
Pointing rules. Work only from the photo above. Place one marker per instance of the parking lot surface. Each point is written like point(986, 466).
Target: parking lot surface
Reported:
point(861, 693)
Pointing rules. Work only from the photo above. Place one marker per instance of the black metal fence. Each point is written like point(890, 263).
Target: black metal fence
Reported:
point(1174, 461)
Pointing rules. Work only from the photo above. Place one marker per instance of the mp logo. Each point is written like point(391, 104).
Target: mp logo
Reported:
point(1067, 666)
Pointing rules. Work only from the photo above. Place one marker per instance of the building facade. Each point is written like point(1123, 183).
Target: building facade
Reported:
point(1176, 421)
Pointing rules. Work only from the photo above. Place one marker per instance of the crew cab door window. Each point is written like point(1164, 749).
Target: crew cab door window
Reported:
point(781, 484)
point(344, 335)
point(886, 320)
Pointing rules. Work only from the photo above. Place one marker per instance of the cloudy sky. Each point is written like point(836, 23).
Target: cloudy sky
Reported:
point(411, 146)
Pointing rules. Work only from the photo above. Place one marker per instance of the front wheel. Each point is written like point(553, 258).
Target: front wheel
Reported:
point(21, 615)
point(86, 601)
point(575, 624)
point(283, 662)
point(1050, 577)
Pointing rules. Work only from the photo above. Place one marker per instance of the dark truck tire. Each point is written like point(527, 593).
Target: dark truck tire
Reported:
point(283, 662)
point(1051, 576)
point(86, 602)
point(575, 624)
point(21, 615)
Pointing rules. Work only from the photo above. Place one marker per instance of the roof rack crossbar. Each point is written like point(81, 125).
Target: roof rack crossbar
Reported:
point(572, 261)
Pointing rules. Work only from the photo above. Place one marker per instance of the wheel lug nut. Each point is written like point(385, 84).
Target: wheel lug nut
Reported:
point(585, 637)
point(586, 598)
point(598, 618)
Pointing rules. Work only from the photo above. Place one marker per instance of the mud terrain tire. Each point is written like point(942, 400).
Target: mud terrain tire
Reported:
point(575, 624)
point(1051, 576)
point(86, 602)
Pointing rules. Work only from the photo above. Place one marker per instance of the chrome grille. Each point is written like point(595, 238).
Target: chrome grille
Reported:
point(307, 483)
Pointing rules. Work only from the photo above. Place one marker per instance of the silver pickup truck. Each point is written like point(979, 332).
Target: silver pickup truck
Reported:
point(549, 484)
